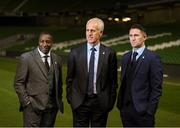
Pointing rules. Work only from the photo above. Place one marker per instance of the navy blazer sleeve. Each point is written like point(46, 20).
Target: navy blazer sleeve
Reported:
point(156, 76)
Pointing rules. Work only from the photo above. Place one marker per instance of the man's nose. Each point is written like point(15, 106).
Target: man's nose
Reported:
point(45, 43)
point(89, 33)
point(133, 38)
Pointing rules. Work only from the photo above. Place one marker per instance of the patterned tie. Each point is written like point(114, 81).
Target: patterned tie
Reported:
point(91, 72)
point(46, 62)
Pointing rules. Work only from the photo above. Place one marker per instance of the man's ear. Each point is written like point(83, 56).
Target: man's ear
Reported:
point(145, 35)
point(101, 33)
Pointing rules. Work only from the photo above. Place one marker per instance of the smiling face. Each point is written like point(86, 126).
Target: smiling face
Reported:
point(137, 37)
point(93, 32)
point(45, 43)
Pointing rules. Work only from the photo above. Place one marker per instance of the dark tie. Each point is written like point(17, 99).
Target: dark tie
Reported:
point(134, 58)
point(129, 79)
point(91, 72)
point(46, 62)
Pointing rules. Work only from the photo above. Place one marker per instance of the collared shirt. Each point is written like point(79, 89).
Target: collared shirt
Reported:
point(43, 58)
point(139, 51)
point(96, 56)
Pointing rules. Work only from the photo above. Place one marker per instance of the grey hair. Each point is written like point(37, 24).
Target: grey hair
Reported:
point(98, 21)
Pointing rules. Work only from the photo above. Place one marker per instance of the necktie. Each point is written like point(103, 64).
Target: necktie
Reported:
point(134, 58)
point(91, 72)
point(46, 62)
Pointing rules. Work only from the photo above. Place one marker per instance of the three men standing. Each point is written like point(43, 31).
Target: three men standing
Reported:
point(91, 81)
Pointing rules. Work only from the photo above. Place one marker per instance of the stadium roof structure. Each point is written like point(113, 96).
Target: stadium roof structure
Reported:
point(14, 7)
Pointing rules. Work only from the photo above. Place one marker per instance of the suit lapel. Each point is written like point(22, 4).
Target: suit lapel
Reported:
point(126, 64)
point(102, 53)
point(54, 68)
point(40, 63)
point(83, 59)
point(139, 62)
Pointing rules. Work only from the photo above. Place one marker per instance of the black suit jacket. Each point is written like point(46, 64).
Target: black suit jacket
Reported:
point(146, 84)
point(77, 77)
point(32, 80)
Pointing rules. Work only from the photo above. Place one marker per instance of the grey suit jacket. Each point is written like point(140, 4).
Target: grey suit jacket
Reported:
point(32, 80)
point(77, 77)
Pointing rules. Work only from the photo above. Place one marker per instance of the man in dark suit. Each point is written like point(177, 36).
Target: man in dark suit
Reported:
point(141, 82)
point(38, 84)
point(92, 79)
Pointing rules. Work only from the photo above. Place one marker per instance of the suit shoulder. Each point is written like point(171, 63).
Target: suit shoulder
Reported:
point(78, 47)
point(55, 55)
point(78, 50)
point(126, 54)
point(26, 54)
point(152, 56)
point(151, 53)
point(56, 59)
point(108, 49)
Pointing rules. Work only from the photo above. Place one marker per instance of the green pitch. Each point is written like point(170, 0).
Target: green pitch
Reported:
point(168, 113)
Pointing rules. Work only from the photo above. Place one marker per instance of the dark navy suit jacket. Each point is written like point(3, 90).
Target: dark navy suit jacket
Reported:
point(77, 77)
point(146, 87)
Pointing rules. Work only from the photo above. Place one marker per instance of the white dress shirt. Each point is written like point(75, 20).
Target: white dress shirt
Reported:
point(43, 58)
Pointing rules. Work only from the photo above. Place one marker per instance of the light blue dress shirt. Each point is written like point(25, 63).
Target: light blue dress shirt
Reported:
point(96, 56)
point(139, 51)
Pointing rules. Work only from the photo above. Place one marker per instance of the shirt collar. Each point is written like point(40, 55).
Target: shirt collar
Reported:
point(42, 54)
point(97, 46)
point(139, 50)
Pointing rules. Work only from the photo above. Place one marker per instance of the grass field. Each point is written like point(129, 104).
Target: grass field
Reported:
point(168, 113)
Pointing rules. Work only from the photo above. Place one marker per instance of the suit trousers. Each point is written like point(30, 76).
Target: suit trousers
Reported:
point(131, 118)
point(89, 114)
point(39, 118)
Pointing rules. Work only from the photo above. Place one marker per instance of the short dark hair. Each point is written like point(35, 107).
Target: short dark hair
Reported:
point(46, 33)
point(138, 26)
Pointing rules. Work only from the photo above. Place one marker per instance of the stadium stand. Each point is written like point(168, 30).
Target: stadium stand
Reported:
point(70, 12)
